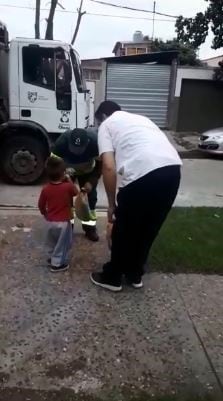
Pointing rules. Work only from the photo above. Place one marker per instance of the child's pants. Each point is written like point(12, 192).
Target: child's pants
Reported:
point(59, 242)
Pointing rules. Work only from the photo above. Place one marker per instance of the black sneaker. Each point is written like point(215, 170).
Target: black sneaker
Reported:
point(137, 284)
point(58, 269)
point(98, 279)
point(91, 233)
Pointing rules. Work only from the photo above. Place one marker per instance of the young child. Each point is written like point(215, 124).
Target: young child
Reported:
point(55, 204)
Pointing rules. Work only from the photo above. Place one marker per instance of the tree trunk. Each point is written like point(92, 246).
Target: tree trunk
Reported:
point(49, 28)
point(37, 20)
point(80, 15)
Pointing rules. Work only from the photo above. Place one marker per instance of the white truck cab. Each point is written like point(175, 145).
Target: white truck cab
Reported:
point(46, 96)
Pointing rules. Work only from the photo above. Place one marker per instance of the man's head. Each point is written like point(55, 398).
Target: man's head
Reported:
point(78, 141)
point(105, 110)
point(55, 168)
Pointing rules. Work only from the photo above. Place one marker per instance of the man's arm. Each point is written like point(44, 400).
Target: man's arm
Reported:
point(107, 153)
point(94, 176)
point(60, 145)
point(110, 181)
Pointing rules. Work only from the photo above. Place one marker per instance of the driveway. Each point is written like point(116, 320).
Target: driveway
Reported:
point(202, 185)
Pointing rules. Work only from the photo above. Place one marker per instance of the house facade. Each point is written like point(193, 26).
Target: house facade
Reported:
point(213, 61)
point(139, 45)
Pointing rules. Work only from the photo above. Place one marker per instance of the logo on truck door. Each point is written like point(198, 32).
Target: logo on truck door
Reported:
point(64, 120)
point(32, 96)
point(65, 117)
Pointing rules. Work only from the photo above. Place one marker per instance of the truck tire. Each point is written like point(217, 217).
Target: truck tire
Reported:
point(23, 159)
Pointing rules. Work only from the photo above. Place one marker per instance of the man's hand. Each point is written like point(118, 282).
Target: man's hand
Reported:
point(67, 178)
point(111, 214)
point(87, 187)
point(109, 177)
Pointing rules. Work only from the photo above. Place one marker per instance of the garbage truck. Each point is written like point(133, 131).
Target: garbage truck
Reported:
point(42, 94)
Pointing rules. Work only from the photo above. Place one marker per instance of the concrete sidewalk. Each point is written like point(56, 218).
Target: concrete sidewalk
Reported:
point(60, 333)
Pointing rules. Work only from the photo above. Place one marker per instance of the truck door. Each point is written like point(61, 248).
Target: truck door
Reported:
point(45, 87)
point(91, 88)
point(82, 94)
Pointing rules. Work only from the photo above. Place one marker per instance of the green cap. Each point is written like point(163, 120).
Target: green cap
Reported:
point(78, 141)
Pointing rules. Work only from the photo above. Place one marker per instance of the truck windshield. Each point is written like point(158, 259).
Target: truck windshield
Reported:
point(77, 71)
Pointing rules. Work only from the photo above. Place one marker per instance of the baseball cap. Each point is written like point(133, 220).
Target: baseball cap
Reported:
point(78, 141)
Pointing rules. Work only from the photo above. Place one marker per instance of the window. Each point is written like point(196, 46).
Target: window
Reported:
point(63, 79)
point(130, 51)
point(63, 70)
point(77, 72)
point(141, 50)
point(92, 75)
point(39, 66)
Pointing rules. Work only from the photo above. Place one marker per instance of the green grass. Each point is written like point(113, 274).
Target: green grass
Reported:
point(18, 394)
point(186, 397)
point(177, 398)
point(190, 241)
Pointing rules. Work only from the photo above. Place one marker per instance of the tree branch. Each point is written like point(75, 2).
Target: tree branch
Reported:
point(49, 28)
point(79, 17)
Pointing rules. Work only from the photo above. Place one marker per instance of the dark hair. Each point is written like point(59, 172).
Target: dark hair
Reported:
point(55, 168)
point(108, 108)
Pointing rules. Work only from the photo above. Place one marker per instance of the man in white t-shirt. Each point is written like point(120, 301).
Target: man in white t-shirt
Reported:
point(133, 147)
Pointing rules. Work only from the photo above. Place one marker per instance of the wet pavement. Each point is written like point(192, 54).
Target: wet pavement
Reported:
point(63, 339)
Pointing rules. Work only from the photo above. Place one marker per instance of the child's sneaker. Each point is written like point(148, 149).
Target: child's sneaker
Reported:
point(58, 269)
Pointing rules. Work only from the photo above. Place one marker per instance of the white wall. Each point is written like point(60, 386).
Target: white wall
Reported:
point(213, 62)
point(191, 73)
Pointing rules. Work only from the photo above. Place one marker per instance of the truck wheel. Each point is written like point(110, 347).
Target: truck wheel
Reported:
point(23, 159)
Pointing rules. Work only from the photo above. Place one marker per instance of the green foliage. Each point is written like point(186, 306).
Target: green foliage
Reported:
point(195, 30)
point(187, 54)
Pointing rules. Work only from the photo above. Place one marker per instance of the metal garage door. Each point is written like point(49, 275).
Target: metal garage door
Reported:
point(140, 88)
point(202, 101)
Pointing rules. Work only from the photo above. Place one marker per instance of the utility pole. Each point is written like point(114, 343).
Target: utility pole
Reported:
point(37, 20)
point(154, 15)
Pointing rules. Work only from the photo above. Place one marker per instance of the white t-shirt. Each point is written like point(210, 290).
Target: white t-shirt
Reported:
point(139, 145)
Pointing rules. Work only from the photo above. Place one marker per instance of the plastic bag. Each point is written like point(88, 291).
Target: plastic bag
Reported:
point(109, 234)
point(82, 209)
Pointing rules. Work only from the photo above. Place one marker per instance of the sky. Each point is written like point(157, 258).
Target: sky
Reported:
point(98, 34)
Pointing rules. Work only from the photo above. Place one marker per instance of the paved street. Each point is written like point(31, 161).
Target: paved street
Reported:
point(61, 332)
point(202, 185)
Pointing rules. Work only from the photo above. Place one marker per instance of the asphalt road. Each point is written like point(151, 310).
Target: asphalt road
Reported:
point(201, 185)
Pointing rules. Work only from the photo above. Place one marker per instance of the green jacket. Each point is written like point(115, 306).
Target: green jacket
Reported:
point(88, 163)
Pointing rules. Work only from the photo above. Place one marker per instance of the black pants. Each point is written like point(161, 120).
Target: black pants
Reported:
point(92, 196)
point(142, 207)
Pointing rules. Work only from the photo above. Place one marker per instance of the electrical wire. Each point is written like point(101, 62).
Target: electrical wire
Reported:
point(88, 13)
point(133, 9)
point(128, 17)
